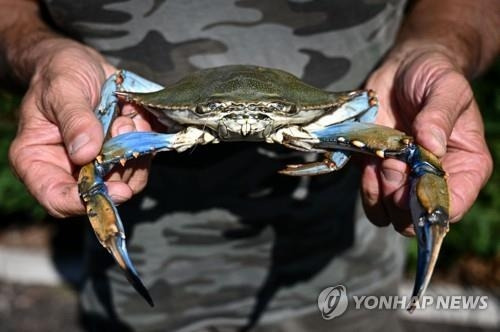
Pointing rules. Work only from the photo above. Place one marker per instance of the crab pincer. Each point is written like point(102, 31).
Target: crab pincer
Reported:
point(101, 210)
point(107, 224)
point(429, 206)
point(429, 196)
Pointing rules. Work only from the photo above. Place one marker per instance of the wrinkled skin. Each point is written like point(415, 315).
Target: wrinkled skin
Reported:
point(430, 99)
point(58, 131)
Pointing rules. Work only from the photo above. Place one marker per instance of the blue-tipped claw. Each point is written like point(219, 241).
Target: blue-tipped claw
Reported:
point(309, 169)
point(430, 230)
point(116, 246)
point(106, 222)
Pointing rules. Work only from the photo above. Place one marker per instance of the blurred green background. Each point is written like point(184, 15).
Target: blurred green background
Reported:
point(14, 200)
point(471, 251)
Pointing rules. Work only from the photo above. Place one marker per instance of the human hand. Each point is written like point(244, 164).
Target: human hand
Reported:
point(423, 93)
point(58, 131)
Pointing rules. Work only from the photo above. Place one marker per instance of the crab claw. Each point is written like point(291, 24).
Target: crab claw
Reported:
point(429, 196)
point(429, 208)
point(118, 249)
point(316, 168)
point(106, 223)
point(333, 161)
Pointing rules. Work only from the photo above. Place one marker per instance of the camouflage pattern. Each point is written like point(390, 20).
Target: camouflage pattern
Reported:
point(221, 240)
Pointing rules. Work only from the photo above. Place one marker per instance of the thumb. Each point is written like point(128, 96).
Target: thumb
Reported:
point(446, 99)
point(81, 131)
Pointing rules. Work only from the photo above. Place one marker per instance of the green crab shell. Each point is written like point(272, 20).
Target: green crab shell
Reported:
point(238, 84)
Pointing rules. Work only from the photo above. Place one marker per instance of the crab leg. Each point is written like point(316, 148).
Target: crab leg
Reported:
point(358, 106)
point(101, 211)
point(429, 197)
point(123, 80)
point(106, 222)
point(333, 161)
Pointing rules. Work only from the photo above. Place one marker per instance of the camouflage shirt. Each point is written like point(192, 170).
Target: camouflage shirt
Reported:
point(220, 239)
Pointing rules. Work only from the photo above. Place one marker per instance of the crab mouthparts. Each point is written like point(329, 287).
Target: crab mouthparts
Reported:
point(237, 126)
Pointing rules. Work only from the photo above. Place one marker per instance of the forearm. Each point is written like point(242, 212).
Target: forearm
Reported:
point(21, 30)
point(468, 31)
point(26, 41)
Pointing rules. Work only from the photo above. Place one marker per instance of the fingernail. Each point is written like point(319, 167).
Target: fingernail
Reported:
point(438, 136)
point(117, 199)
point(78, 143)
point(125, 129)
point(392, 175)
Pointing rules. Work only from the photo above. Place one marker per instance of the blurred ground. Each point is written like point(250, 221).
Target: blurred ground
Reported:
point(37, 308)
point(43, 296)
point(39, 300)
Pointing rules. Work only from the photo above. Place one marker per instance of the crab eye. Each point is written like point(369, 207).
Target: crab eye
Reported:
point(292, 109)
point(200, 109)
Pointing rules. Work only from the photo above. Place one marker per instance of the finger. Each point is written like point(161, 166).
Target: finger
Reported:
point(394, 187)
point(139, 177)
point(448, 97)
point(400, 218)
point(138, 115)
point(394, 182)
point(122, 125)
point(405, 229)
point(119, 192)
point(371, 195)
point(54, 188)
point(73, 114)
point(467, 162)
point(135, 171)
point(48, 175)
point(467, 173)
point(64, 197)
point(57, 190)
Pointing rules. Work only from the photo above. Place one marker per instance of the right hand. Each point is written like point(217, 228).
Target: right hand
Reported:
point(58, 130)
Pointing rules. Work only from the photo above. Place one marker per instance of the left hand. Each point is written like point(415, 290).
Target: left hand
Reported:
point(424, 94)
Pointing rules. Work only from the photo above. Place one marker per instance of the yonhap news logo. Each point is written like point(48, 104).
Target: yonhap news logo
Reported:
point(333, 302)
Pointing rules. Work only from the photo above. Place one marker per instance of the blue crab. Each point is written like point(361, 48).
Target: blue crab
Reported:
point(249, 103)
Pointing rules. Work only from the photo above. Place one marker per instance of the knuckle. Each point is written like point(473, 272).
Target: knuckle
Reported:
point(52, 98)
point(370, 186)
point(486, 160)
point(55, 199)
point(68, 95)
point(17, 157)
point(14, 150)
point(15, 169)
point(370, 193)
point(139, 185)
point(74, 118)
